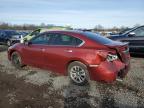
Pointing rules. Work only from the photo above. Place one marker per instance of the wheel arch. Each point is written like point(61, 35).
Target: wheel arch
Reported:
point(12, 51)
point(74, 60)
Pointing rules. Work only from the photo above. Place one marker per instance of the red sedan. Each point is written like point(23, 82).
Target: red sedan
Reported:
point(80, 55)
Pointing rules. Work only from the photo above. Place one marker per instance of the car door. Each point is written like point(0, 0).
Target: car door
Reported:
point(59, 51)
point(33, 52)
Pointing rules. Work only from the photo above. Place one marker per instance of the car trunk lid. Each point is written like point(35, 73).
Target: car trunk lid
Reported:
point(121, 49)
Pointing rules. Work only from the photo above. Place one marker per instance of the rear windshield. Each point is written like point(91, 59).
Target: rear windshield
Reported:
point(98, 38)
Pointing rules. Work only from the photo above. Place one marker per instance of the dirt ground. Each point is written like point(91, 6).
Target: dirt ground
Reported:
point(36, 88)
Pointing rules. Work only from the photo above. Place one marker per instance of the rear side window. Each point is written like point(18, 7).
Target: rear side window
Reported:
point(97, 38)
point(66, 40)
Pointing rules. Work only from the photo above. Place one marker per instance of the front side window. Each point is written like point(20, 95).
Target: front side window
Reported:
point(139, 31)
point(41, 39)
point(65, 40)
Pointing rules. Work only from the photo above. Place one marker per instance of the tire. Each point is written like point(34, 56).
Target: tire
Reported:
point(8, 43)
point(78, 73)
point(16, 60)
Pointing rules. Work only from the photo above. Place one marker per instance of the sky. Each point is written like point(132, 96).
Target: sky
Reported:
point(75, 13)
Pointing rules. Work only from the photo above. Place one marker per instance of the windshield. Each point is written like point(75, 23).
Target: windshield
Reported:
point(98, 38)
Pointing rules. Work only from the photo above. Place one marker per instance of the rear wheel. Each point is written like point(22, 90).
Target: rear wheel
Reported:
point(16, 60)
point(78, 73)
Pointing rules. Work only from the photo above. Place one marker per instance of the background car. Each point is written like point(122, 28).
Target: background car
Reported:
point(80, 55)
point(134, 36)
point(23, 33)
point(7, 36)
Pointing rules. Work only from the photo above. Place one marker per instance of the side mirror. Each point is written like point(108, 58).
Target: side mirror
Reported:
point(131, 34)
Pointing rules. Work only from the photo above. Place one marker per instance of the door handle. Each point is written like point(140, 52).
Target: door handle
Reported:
point(68, 51)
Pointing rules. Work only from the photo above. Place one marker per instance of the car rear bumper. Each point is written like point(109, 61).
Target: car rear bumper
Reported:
point(108, 71)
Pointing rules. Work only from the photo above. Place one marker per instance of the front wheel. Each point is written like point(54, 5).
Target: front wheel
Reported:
point(78, 73)
point(16, 60)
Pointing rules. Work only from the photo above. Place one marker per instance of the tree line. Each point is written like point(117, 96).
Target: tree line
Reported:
point(25, 27)
point(98, 28)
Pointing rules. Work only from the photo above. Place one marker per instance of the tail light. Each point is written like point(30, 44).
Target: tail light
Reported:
point(102, 56)
point(111, 57)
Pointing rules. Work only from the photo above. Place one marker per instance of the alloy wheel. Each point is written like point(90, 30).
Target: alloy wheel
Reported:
point(16, 60)
point(77, 74)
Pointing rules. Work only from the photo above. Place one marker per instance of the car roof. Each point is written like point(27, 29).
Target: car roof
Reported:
point(66, 31)
point(51, 29)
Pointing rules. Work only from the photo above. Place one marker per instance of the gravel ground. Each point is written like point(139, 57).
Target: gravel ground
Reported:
point(36, 88)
